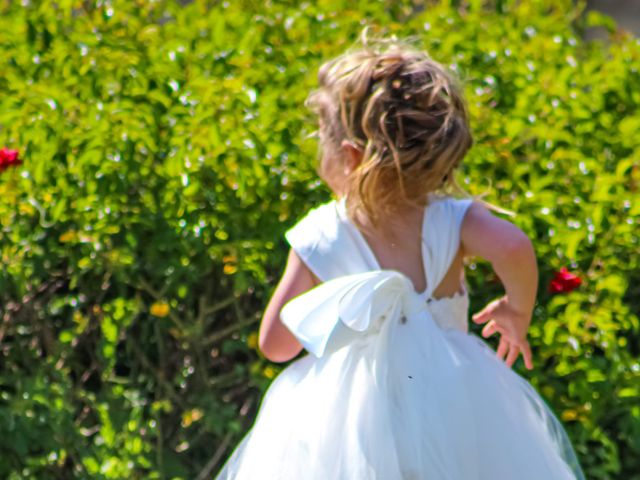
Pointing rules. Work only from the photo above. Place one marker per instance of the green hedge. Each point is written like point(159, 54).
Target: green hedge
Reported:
point(165, 152)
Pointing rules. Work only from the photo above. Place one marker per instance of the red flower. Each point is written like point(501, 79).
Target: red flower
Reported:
point(564, 282)
point(8, 158)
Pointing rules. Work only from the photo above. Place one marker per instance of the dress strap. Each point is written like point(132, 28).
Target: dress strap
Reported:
point(324, 242)
point(441, 236)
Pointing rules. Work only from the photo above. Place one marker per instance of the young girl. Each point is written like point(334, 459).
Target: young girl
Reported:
point(395, 387)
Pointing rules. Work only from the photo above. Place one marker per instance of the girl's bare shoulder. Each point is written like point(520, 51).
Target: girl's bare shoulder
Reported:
point(485, 235)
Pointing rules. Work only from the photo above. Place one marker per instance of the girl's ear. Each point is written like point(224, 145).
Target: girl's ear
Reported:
point(353, 155)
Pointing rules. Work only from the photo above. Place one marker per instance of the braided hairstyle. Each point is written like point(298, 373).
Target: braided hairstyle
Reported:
point(405, 112)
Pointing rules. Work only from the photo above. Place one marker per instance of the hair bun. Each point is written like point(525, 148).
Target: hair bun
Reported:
point(408, 113)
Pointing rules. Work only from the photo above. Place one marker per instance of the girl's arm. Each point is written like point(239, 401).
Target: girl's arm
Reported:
point(512, 257)
point(276, 342)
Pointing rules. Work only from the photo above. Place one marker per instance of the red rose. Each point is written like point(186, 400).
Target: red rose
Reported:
point(564, 282)
point(8, 158)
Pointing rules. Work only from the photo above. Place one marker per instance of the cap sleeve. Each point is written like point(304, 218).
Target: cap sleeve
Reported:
point(459, 209)
point(303, 237)
point(311, 238)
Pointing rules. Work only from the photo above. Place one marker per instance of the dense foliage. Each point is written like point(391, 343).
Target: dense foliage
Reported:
point(166, 149)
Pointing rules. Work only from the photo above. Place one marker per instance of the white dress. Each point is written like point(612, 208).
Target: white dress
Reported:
point(394, 387)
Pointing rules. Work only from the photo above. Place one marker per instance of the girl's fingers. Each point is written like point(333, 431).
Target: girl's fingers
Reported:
point(487, 313)
point(510, 346)
point(507, 329)
point(526, 354)
point(503, 348)
point(489, 329)
point(513, 355)
point(482, 316)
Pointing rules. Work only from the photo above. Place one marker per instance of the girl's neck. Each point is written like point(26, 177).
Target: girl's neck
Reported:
point(406, 220)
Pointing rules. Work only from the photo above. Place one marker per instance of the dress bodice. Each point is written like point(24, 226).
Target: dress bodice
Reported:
point(332, 246)
point(449, 312)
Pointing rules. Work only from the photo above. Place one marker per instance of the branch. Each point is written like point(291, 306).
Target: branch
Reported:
point(229, 330)
point(206, 471)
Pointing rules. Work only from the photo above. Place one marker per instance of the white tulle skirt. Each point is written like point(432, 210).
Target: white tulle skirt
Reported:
point(413, 402)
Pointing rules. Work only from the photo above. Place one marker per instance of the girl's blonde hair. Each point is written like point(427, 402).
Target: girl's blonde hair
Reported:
point(407, 114)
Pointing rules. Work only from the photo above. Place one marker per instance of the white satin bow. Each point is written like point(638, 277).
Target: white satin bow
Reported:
point(338, 311)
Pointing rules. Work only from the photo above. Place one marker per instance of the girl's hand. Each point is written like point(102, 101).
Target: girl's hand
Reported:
point(500, 316)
